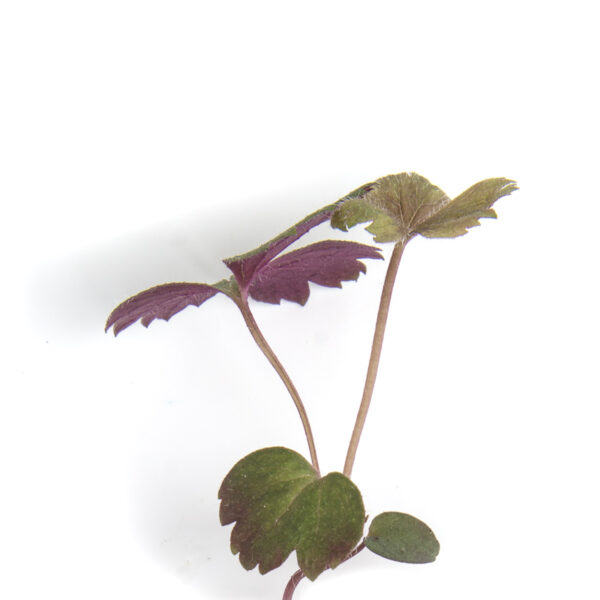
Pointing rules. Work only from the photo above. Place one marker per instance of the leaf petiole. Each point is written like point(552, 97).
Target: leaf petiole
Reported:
point(266, 349)
point(297, 577)
point(382, 315)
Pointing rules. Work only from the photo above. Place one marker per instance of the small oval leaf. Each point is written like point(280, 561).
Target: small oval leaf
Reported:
point(403, 538)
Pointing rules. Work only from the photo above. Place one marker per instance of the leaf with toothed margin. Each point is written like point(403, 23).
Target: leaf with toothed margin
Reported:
point(258, 273)
point(280, 504)
point(402, 538)
point(326, 263)
point(457, 216)
point(245, 266)
point(392, 205)
point(401, 206)
point(160, 302)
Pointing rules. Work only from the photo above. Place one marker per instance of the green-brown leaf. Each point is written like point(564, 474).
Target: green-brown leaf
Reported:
point(279, 505)
point(401, 206)
point(456, 217)
point(402, 538)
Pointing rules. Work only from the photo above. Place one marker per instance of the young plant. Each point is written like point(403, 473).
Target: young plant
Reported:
point(278, 500)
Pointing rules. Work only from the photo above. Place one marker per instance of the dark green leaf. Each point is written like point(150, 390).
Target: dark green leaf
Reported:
point(279, 505)
point(403, 538)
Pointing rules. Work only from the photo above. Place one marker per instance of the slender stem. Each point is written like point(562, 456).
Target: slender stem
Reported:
point(272, 358)
point(356, 550)
point(384, 307)
point(298, 575)
point(292, 583)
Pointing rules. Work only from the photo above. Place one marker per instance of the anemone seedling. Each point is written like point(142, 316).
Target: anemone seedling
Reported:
point(278, 500)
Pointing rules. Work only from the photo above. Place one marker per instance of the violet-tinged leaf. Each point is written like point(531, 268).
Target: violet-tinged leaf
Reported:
point(325, 263)
point(245, 266)
point(160, 302)
point(280, 504)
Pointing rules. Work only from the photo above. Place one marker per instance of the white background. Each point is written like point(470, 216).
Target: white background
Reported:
point(141, 142)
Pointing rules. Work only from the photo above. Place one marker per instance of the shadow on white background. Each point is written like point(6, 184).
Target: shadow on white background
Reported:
point(164, 413)
point(190, 401)
point(144, 142)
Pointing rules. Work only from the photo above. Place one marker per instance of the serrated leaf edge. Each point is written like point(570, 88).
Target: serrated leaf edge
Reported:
point(376, 216)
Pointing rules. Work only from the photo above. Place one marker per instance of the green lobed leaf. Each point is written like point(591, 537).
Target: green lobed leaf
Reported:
point(456, 217)
point(393, 205)
point(383, 226)
point(401, 206)
point(280, 504)
point(402, 538)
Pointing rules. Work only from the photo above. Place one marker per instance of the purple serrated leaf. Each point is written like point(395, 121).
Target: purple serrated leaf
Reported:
point(326, 263)
point(160, 302)
point(246, 266)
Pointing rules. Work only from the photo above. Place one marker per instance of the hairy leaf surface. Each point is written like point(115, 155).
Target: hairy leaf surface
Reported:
point(267, 277)
point(280, 504)
point(245, 266)
point(258, 273)
point(326, 263)
point(401, 206)
point(402, 538)
point(160, 302)
point(456, 217)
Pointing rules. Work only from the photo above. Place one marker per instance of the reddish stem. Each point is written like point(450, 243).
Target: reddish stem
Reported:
point(295, 579)
point(382, 315)
point(262, 343)
point(292, 583)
